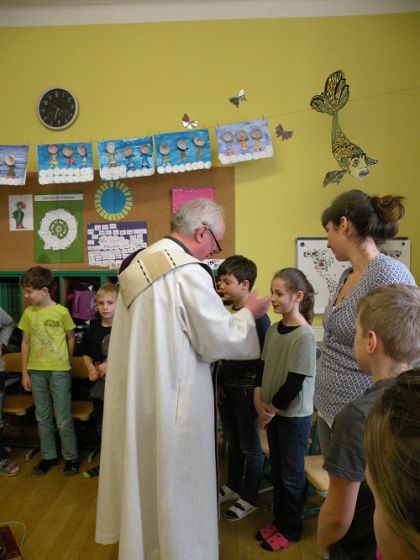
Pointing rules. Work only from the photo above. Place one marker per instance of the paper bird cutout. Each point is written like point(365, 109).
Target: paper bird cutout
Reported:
point(187, 123)
point(283, 134)
point(240, 97)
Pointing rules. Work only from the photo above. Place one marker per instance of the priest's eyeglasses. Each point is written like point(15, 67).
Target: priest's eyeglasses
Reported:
point(218, 247)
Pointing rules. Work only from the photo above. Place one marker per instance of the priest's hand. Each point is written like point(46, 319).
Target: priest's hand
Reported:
point(257, 306)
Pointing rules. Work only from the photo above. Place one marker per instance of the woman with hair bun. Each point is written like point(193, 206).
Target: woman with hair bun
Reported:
point(356, 225)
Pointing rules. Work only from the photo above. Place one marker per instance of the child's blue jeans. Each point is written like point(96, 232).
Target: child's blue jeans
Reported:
point(288, 442)
point(51, 391)
point(244, 453)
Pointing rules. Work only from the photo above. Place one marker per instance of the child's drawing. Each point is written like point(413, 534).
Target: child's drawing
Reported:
point(13, 163)
point(65, 163)
point(177, 152)
point(349, 156)
point(243, 141)
point(122, 159)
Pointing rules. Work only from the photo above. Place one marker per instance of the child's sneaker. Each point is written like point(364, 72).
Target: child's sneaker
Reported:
point(44, 466)
point(91, 473)
point(8, 469)
point(71, 467)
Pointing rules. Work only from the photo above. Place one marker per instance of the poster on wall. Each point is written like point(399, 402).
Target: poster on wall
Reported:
point(323, 271)
point(177, 152)
point(244, 141)
point(109, 244)
point(181, 196)
point(65, 163)
point(119, 159)
point(21, 213)
point(13, 164)
point(58, 227)
point(113, 200)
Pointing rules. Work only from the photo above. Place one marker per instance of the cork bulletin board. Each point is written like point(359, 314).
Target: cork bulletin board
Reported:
point(151, 202)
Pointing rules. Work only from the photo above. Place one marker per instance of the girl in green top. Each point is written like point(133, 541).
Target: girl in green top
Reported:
point(283, 399)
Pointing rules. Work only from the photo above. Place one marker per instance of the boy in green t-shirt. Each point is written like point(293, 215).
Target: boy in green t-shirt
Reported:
point(47, 344)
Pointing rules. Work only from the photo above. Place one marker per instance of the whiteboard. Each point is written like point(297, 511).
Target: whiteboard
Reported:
point(323, 271)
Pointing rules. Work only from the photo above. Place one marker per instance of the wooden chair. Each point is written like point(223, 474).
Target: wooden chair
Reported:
point(317, 478)
point(82, 410)
point(18, 405)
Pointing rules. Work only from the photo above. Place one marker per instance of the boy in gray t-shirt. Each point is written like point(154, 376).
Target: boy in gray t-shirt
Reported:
point(387, 342)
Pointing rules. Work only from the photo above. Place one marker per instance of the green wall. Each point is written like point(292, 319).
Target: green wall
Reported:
point(140, 79)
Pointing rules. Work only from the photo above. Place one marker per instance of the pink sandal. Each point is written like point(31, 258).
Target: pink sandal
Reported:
point(266, 532)
point(276, 542)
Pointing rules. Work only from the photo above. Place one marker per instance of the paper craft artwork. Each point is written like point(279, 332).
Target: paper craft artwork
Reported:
point(119, 159)
point(58, 226)
point(181, 196)
point(238, 98)
point(109, 244)
point(188, 123)
point(21, 213)
point(13, 163)
point(283, 134)
point(350, 157)
point(65, 163)
point(243, 141)
point(323, 271)
point(113, 200)
point(177, 152)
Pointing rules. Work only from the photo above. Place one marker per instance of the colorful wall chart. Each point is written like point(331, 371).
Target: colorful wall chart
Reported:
point(58, 227)
point(13, 163)
point(109, 244)
point(65, 163)
point(126, 158)
point(177, 152)
point(244, 141)
point(181, 196)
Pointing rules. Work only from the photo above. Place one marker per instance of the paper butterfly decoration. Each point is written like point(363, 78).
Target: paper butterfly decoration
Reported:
point(283, 134)
point(236, 100)
point(187, 123)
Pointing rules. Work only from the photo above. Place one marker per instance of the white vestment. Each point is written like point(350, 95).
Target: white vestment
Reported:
point(157, 486)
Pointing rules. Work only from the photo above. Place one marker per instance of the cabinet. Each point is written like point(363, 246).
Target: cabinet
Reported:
point(11, 299)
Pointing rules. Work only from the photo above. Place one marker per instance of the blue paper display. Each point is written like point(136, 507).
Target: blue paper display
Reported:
point(177, 152)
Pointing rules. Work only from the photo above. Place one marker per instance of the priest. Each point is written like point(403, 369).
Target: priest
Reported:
point(157, 486)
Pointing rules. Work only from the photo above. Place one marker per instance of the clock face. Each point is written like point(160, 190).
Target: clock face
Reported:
point(57, 108)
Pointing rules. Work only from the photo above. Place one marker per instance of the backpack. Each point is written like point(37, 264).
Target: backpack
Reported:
point(84, 305)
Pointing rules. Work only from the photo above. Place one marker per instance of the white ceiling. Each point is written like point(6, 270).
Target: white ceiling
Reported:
point(79, 12)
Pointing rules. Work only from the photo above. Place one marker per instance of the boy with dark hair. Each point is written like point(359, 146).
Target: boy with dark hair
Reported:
point(387, 343)
point(236, 379)
point(47, 344)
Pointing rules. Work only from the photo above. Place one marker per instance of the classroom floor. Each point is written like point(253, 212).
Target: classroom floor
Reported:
point(59, 515)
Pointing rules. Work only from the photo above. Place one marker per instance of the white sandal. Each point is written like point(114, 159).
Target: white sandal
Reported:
point(239, 510)
point(226, 494)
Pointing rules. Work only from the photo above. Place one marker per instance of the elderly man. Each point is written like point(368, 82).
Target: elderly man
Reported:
point(157, 488)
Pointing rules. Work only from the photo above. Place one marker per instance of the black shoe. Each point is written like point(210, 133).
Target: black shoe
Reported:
point(44, 466)
point(71, 467)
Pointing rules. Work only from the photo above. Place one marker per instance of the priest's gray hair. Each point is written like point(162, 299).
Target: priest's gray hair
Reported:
point(197, 213)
